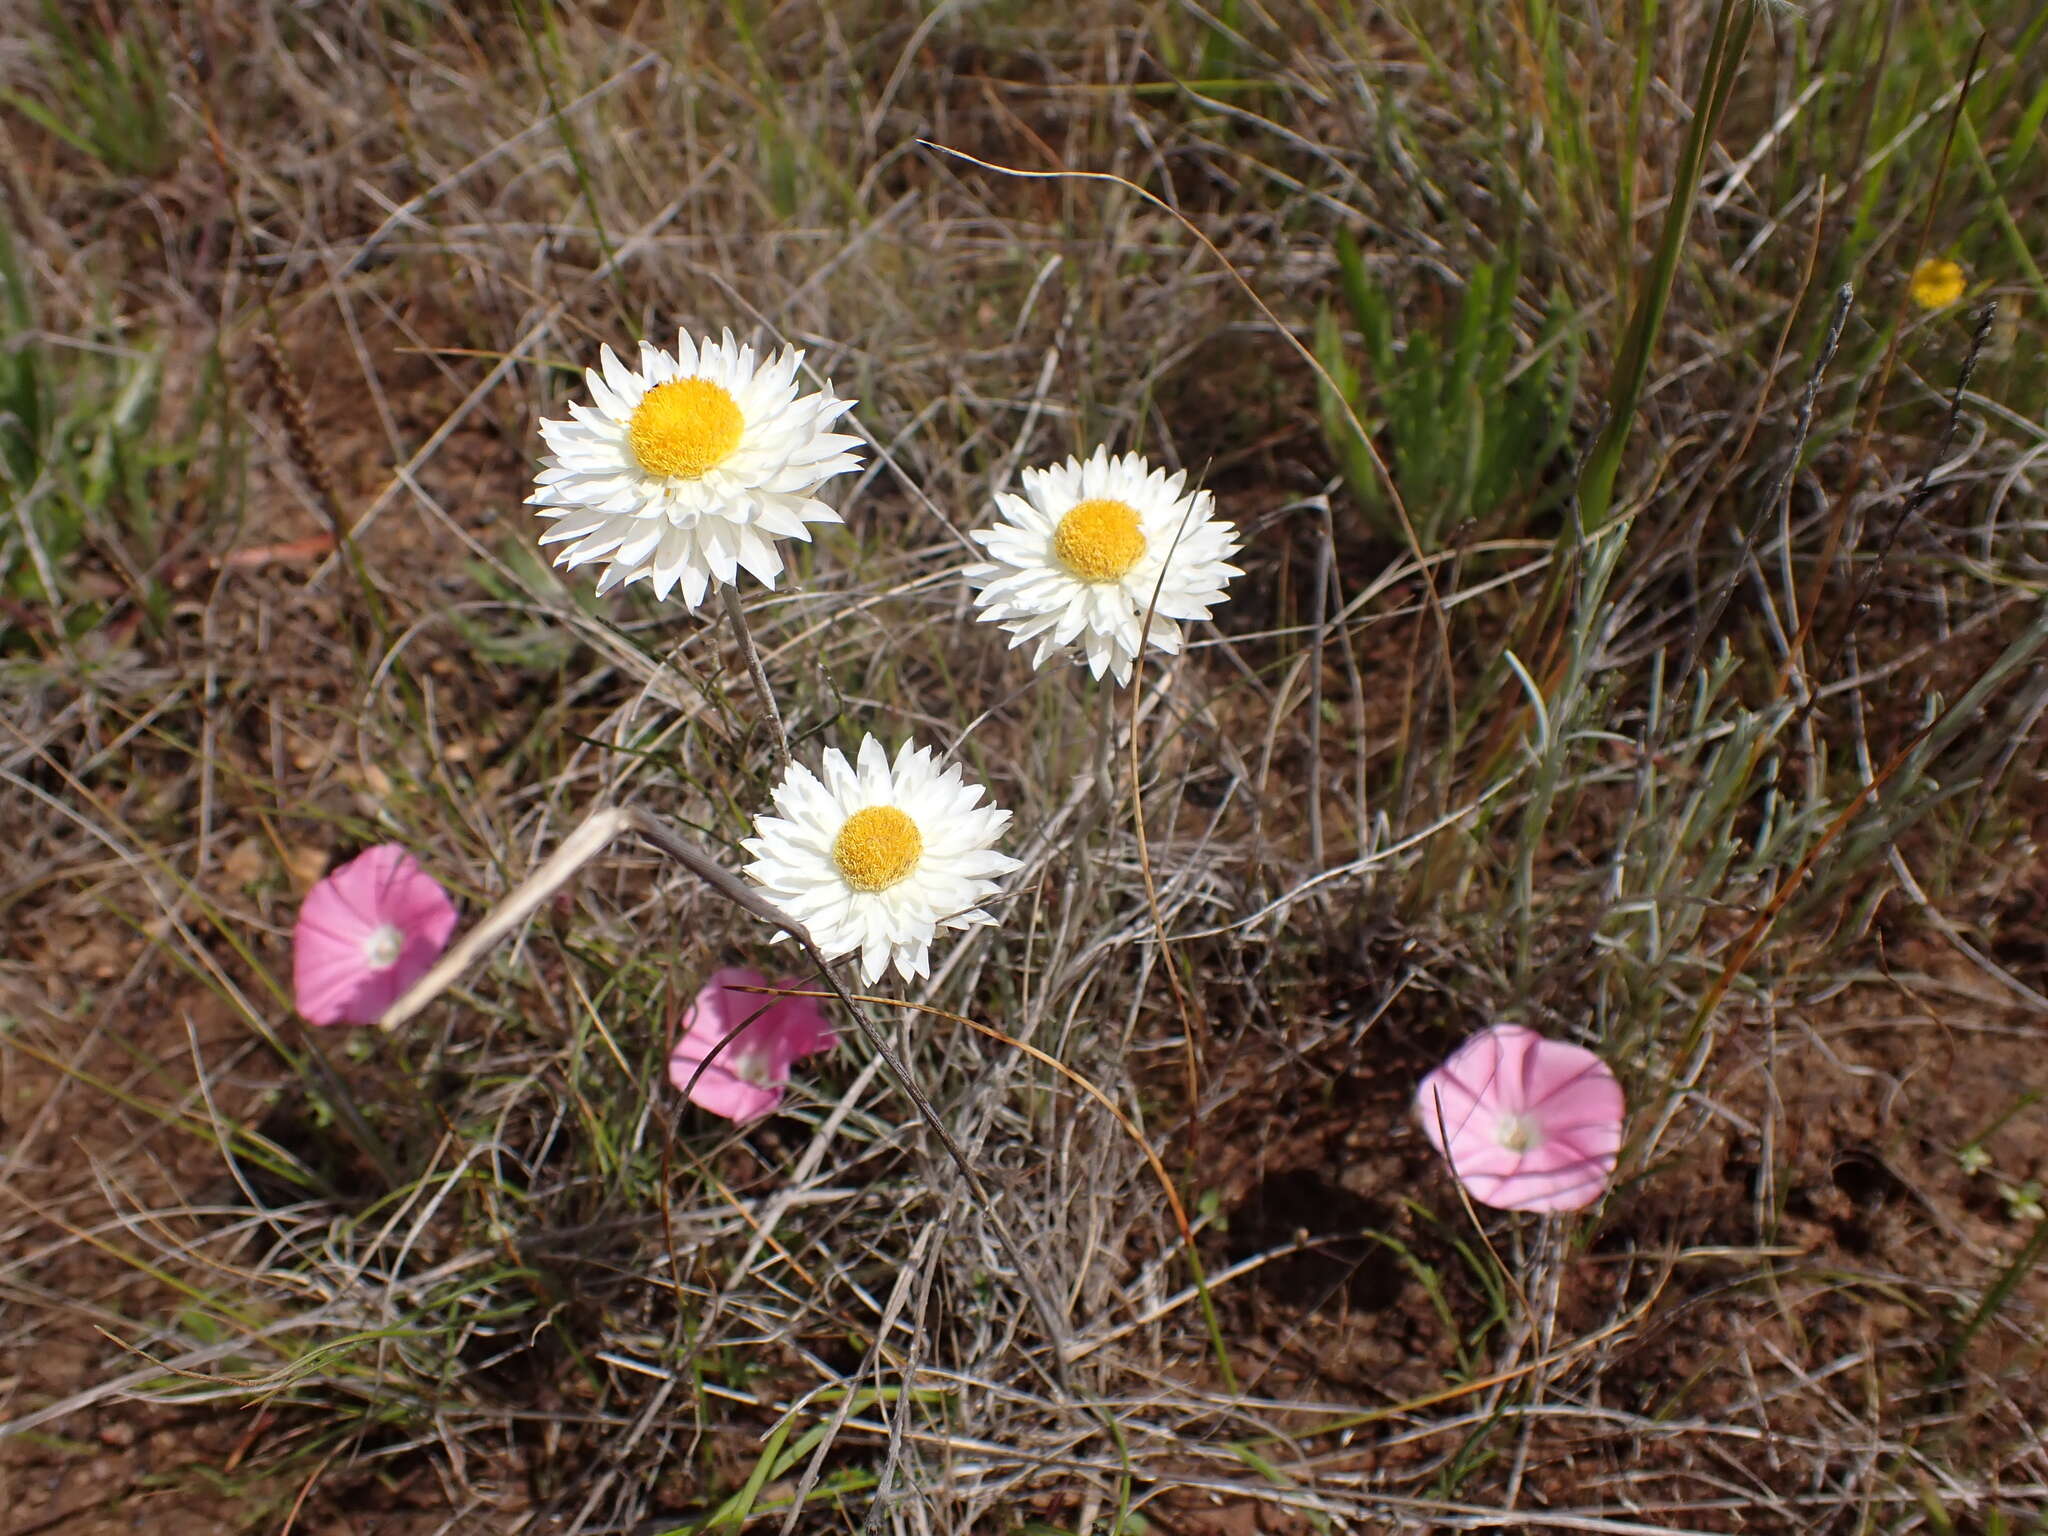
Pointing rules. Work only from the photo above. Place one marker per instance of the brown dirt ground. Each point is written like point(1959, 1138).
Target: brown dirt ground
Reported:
point(1873, 1228)
point(1879, 1230)
point(1864, 1248)
point(70, 1157)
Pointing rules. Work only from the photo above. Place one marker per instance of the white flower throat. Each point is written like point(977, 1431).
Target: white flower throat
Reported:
point(382, 947)
point(1517, 1133)
point(755, 1065)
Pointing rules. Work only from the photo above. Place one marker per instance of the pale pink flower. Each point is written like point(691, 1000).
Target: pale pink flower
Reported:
point(1528, 1124)
point(366, 933)
point(745, 1080)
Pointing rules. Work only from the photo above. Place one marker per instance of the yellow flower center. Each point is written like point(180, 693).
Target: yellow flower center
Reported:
point(1937, 283)
point(1099, 539)
point(684, 427)
point(877, 848)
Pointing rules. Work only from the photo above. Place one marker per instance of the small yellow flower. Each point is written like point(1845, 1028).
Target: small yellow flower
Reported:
point(1937, 283)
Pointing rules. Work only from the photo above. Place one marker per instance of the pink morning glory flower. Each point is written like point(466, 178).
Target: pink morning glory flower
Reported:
point(366, 933)
point(1528, 1124)
point(745, 1080)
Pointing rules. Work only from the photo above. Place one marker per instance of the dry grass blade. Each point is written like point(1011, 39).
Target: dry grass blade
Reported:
point(1732, 771)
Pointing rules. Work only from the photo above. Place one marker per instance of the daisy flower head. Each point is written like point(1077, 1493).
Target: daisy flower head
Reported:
point(365, 934)
point(876, 856)
point(1090, 549)
point(686, 471)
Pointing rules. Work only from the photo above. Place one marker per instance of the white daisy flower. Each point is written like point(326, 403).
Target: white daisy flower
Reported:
point(878, 858)
point(1082, 552)
point(688, 471)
